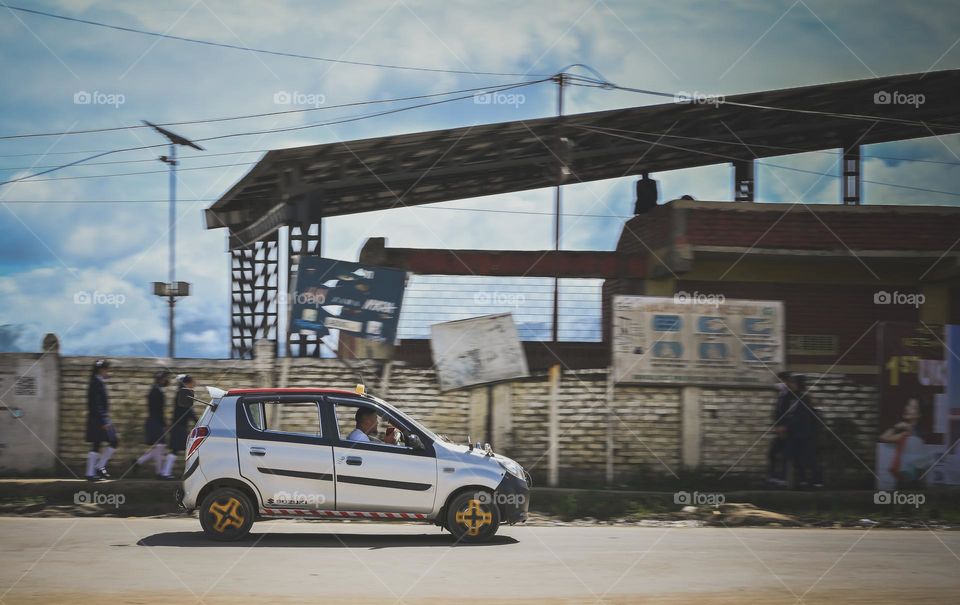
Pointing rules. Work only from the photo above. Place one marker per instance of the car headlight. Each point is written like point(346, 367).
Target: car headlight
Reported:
point(512, 467)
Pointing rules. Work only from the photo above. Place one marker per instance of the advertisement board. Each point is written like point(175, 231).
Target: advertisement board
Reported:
point(362, 300)
point(687, 341)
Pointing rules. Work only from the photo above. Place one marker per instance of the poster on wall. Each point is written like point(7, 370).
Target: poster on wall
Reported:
point(358, 299)
point(947, 469)
point(914, 415)
point(681, 340)
point(477, 351)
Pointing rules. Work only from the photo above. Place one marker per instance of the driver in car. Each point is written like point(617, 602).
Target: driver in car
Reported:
point(367, 424)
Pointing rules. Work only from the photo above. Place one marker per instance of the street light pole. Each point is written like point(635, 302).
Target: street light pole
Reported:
point(172, 289)
point(555, 333)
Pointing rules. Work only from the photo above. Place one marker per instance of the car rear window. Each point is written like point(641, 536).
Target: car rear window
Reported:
point(297, 417)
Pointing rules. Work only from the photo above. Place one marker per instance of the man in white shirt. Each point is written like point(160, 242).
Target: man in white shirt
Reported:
point(367, 424)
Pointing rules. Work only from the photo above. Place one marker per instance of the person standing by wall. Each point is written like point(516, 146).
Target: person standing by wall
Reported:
point(777, 453)
point(180, 420)
point(803, 428)
point(99, 427)
point(155, 427)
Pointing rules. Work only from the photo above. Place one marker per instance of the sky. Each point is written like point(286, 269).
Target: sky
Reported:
point(79, 250)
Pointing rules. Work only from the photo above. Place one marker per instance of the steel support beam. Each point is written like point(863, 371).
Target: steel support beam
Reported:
point(507, 263)
point(253, 304)
point(744, 180)
point(302, 239)
point(851, 177)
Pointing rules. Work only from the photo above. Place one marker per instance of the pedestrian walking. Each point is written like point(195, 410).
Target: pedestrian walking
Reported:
point(155, 427)
point(100, 429)
point(181, 419)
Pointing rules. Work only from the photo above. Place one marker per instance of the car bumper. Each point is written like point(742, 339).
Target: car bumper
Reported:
point(513, 499)
point(193, 480)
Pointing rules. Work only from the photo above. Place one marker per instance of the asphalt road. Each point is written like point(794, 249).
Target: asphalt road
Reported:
point(113, 561)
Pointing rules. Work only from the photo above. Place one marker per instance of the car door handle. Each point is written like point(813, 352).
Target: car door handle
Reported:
point(258, 451)
point(354, 460)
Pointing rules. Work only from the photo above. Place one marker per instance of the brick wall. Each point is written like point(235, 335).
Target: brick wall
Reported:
point(128, 387)
point(822, 227)
point(646, 421)
point(737, 422)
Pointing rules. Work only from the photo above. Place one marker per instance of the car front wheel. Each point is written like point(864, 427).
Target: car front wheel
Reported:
point(226, 514)
point(473, 516)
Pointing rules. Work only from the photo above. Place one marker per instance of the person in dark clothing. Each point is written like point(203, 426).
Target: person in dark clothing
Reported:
point(777, 454)
point(99, 427)
point(180, 420)
point(155, 427)
point(803, 428)
point(648, 194)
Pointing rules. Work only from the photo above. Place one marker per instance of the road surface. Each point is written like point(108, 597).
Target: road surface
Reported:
point(148, 561)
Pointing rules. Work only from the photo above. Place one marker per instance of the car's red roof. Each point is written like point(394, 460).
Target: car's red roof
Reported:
point(267, 390)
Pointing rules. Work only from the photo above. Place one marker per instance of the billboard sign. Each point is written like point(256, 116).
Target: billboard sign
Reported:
point(682, 341)
point(359, 299)
point(477, 351)
point(915, 413)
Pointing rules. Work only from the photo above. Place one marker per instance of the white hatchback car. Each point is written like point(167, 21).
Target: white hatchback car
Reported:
point(295, 453)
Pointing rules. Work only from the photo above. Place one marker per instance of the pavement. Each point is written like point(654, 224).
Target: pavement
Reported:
point(161, 560)
point(147, 497)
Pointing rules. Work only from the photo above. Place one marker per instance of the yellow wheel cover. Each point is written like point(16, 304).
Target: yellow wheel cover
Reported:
point(473, 517)
point(227, 514)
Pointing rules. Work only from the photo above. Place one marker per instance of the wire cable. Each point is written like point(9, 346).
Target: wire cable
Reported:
point(271, 131)
point(263, 50)
point(246, 116)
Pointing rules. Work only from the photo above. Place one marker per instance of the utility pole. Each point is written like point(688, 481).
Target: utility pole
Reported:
point(560, 151)
point(172, 289)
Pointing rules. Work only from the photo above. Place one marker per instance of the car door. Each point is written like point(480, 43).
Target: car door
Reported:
point(378, 477)
point(283, 451)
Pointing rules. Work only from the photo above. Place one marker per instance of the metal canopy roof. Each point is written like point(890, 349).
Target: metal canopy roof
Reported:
point(304, 184)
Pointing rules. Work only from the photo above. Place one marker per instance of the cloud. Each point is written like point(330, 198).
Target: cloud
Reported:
point(49, 252)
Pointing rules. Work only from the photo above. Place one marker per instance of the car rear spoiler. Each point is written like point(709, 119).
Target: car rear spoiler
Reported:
point(215, 395)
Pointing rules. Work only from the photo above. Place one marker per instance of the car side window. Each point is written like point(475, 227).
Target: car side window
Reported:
point(296, 417)
point(385, 431)
point(254, 411)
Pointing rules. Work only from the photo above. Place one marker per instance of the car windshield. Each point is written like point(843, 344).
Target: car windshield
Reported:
point(402, 416)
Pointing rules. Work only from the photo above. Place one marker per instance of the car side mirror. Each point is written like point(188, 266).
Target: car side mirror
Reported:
point(414, 442)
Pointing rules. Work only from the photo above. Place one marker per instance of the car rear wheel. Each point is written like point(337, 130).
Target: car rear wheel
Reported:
point(473, 516)
point(226, 514)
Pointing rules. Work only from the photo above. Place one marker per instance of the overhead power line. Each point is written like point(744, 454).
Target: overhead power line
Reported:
point(272, 130)
point(246, 116)
point(264, 51)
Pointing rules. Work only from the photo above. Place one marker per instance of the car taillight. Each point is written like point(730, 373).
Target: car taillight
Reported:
point(196, 438)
